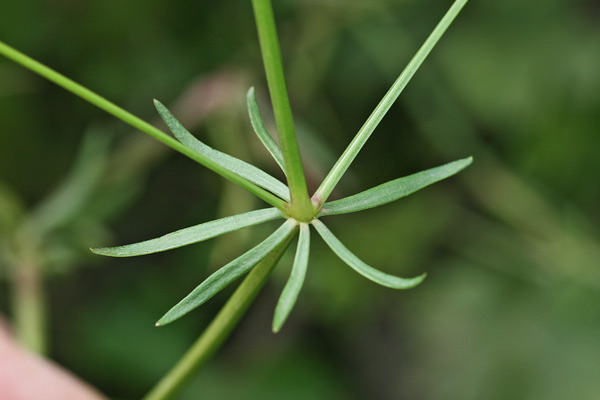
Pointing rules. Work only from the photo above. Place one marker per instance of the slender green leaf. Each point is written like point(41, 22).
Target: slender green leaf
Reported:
point(288, 297)
point(225, 275)
point(359, 266)
point(262, 133)
point(235, 165)
point(394, 190)
point(193, 234)
point(384, 105)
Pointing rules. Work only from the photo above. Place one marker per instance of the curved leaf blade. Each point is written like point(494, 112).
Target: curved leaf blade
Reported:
point(232, 164)
point(259, 128)
point(290, 293)
point(227, 274)
point(359, 266)
point(193, 234)
point(394, 190)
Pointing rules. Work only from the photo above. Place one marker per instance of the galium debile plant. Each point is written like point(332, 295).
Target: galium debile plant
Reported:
point(290, 203)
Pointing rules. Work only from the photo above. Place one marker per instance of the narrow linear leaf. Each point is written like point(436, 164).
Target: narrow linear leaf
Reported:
point(290, 293)
point(193, 234)
point(342, 164)
point(394, 190)
point(227, 274)
point(235, 165)
point(359, 266)
point(262, 133)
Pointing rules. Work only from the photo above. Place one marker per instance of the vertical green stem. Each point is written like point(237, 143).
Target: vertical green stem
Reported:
point(28, 304)
point(219, 329)
point(302, 207)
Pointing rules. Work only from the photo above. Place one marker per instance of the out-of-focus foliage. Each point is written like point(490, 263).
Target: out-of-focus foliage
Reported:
point(510, 309)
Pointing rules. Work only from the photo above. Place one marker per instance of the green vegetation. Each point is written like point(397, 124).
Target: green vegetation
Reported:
point(501, 234)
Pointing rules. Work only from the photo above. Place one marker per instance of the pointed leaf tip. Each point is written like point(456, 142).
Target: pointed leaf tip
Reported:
point(192, 234)
point(290, 292)
point(395, 189)
point(101, 251)
point(261, 131)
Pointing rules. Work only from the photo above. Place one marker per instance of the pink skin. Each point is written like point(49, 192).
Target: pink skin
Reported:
point(26, 376)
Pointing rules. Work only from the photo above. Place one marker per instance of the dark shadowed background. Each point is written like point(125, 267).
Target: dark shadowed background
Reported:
point(511, 306)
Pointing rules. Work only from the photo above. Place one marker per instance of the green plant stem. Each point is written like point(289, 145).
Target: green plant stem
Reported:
point(134, 121)
point(28, 304)
point(302, 208)
point(340, 167)
point(220, 328)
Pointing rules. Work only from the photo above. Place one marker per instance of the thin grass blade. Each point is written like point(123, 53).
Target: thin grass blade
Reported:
point(359, 266)
point(394, 190)
point(261, 131)
point(193, 234)
point(290, 293)
point(384, 105)
point(235, 165)
point(227, 274)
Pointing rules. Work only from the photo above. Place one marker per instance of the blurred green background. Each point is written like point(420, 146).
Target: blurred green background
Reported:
point(511, 306)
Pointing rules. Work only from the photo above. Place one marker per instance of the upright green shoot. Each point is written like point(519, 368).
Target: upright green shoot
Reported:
point(301, 206)
point(291, 203)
